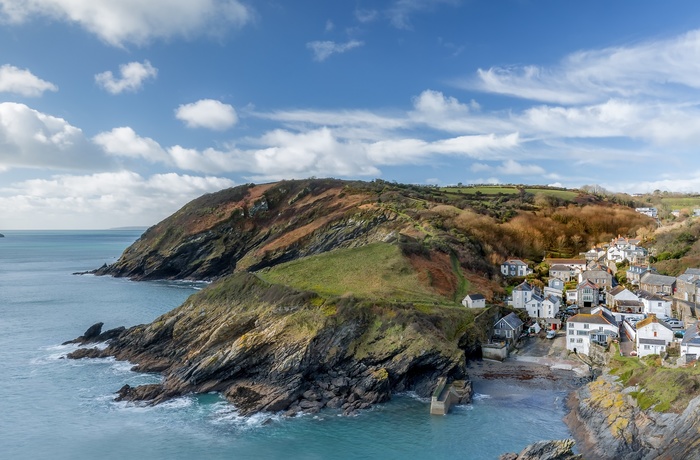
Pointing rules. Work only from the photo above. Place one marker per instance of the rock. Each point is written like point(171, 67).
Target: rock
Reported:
point(546, 450)
point(94, 334)
point(81, 353)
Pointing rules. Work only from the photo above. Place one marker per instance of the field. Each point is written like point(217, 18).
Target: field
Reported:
point(374, 271)
point(690, 202)
point(511, 190)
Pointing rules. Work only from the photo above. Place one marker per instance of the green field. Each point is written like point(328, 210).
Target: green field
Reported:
point(374, 271)
point(690, 202)
point(511, 190)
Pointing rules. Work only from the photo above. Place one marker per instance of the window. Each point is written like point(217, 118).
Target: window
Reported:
point(508, 334)
point(585, 326)
point(579, 340)
point(655, 333)
point(572, 340)
point(646, 347)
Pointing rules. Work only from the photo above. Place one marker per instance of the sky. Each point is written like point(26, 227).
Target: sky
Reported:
point(117, 113)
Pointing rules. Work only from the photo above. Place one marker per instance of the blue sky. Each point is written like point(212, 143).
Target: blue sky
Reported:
point(116, 113)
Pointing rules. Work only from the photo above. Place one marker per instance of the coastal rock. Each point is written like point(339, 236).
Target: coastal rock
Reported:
point(607, 423)
point(546, 450)
point(235, 338)
point(94, 334)
point(81, 353)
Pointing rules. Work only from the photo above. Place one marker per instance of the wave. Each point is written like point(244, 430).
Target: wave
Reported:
point(479, 396)
point(224, 413)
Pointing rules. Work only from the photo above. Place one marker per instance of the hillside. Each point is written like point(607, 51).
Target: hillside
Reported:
point(452, 239)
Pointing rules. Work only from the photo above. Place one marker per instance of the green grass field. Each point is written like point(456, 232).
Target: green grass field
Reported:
point(682, 202)
point(374, 271)
point(511, 190)
point(660, 388)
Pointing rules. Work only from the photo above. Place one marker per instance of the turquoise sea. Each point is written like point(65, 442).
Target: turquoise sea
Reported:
point(53, 408)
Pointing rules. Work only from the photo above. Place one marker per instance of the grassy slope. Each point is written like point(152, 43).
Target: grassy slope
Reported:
point(567, 195)
point(375, 271)
point(661, 388)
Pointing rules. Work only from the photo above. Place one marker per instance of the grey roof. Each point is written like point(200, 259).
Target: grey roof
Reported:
point(515, 262)
point(629, 303)
point(642, 294)
point(512, 320)
point(692, 271)
point(559, 268)
point(657, 280)
point(537, 297)
point(524, 286)
point(691, 336)
point(652, 341)
point(476, 297)
point(638, 269)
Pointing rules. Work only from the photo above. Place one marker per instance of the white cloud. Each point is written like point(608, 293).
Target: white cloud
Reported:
point(111, 199)
point(329, 25)
point(513, 168)
point(478, 167)
point(207, 113)
point(23, 82)
point(134, 21)
point(133, 76)
point(653, 68)
point(324, 49)
point(125, 142)
point(31, 139)
point(399, 13)
point(366, 15)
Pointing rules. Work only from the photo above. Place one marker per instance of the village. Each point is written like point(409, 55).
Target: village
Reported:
point(583, 302)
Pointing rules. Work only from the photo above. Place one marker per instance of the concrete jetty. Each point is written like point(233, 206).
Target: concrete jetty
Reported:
point(445, 395)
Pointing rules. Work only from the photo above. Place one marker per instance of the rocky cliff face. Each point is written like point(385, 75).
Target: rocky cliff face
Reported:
point(272, 348)
point(607, 424)
point(252, 227)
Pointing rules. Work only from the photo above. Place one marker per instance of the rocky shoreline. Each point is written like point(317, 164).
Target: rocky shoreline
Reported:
point(270, 349)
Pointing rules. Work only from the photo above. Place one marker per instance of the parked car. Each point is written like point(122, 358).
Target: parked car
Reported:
point(675, 323)
point(551, 334)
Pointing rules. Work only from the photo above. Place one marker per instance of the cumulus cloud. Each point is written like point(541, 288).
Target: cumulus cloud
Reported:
point(112, 199)
point(134, 21)
point(124, 142)
point(31, 139)
point(23, 82)
point(366, 15)
point(133, 76)
point(324, 49)
point(207, 113)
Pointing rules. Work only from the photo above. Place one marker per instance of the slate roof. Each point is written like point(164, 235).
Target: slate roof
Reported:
point(587, 282)
point(642, 294)
point(512, 320)
point(692, 271)
point(476, 297)
point(657, 280)
point(652, 341)
point(691, 336)
point(524, 286)
point(515, 262)
point(559, 268)
point(616, 290)
point(629, 303)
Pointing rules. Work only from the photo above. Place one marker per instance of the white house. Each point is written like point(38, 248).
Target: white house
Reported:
point(620, 293)
point(561, 272)
point(653, 336)
point(651, 212)
point(635, 273)
point(655, 305)
point(474, 301)
point(534, 306)
point(522, 293)
point(550, 306)
point(690, 345)
point(576, 265)
point(515, 267)
point(584, 329)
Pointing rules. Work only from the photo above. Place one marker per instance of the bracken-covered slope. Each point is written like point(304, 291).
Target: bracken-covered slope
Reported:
point(251, 227)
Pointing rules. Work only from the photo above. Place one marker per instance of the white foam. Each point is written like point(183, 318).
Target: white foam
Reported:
point(414, 395)
point(479, 396)
point(225, 413)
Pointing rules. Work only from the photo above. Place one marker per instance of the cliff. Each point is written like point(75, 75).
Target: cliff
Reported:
point(273, 348)
point(609, 424)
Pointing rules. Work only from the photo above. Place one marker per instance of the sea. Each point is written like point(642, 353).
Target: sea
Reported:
point(55, 408)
